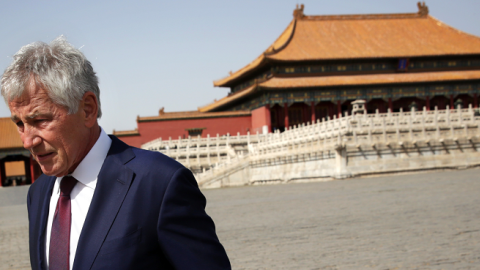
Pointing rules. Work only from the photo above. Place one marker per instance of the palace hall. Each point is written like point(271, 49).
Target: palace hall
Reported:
point(314, 70)
point(320, 64)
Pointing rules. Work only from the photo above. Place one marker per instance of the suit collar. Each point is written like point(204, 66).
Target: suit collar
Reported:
point(113, 184)
point(41, 226)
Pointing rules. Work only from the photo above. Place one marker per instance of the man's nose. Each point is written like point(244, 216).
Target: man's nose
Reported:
point(30, 138)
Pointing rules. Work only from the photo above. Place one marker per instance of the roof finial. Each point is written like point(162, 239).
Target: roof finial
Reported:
point(422, 9)
point(298, 12)
point(161, 111)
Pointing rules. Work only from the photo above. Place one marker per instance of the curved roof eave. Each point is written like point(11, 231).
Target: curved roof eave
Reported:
point(279, 44)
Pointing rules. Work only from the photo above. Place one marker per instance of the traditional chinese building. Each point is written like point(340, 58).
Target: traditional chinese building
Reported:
point(17, 167)
point(320, 64)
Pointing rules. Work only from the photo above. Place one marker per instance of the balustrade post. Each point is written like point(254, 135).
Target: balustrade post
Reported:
point(198, 149)
point(208, 151)
point(423, 128)
point(370, 140)
point(188, 152)
point(410, 128)
point(397, 128)
point(218, 149)
point(448, 116)
point(384, 130)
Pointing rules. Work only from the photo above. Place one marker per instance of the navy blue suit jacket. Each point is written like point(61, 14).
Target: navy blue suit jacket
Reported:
point(146, 213)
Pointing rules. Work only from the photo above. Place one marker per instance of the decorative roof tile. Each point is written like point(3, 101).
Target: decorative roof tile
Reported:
point(228, 99)
point(191, 115)
point(389, 78)
point(347, 80)
point(125, 133)
point(362, 36)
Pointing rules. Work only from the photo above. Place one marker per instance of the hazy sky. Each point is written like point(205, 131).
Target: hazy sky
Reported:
point(153, 54)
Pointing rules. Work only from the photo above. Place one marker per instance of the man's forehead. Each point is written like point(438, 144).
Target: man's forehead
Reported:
point(31, 93)
point(31, 104)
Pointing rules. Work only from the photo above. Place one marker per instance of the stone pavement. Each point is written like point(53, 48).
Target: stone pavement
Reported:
point(420, 221)
point(14, 228)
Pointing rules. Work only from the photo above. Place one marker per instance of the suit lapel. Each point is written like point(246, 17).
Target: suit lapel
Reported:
point(112, 186)
point(41, 225)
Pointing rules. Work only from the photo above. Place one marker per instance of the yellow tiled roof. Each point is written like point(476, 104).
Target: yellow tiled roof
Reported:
point(9, 137)
point(228, 99)
point(123, 133)
point(389, 78)
point(345, 80)
point(191, 115)
point(363, 36)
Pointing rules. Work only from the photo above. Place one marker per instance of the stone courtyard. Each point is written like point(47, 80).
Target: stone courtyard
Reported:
point(410, 221)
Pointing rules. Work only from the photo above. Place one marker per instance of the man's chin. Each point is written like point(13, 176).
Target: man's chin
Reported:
point(51, 171)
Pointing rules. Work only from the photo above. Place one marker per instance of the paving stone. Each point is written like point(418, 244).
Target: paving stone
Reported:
point(420, 221)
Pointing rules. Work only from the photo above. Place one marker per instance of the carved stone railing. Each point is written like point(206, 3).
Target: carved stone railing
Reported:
point(199, 153)
point(339, 139)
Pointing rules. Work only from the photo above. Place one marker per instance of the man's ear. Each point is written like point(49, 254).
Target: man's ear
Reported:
point(90, 109)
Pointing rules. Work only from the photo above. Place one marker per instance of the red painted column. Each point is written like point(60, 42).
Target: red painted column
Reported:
point(451, 103)
point(475, 100)
point(339, 108)
point(285, 106)
point(32, 171)
point(312, 107)
point(390, 104)
point(427, 103)
point(3, 173)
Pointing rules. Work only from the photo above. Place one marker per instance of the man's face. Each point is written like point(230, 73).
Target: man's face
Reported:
point(56, 139)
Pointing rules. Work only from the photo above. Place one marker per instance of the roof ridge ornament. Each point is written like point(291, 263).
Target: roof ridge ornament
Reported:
point(298, 12)
point(422, 9)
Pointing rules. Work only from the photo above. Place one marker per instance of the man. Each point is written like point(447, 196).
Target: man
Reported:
point(100, 204)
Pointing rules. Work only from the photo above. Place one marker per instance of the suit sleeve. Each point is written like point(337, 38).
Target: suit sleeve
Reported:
point(185, 232)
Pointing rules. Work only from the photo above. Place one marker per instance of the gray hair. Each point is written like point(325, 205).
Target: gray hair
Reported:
point(59, 67)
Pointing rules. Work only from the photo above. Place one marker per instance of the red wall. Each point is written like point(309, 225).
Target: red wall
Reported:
point(174, 128)
point(135, 141)
point(260, 118)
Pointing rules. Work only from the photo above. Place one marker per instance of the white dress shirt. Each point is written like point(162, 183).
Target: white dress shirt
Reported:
point(81, 196)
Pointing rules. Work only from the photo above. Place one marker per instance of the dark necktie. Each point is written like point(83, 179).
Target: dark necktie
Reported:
point(59, 256)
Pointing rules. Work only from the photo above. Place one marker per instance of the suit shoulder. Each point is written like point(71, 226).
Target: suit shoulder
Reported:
point(154, 160)
point(41, 185)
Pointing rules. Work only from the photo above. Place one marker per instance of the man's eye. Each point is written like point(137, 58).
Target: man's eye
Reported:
point(19, 126)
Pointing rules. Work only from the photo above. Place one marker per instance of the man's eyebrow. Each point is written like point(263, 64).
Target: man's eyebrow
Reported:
point(31, 116)
point(34, 114)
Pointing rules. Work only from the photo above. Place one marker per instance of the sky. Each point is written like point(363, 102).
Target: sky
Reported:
point(154, 54)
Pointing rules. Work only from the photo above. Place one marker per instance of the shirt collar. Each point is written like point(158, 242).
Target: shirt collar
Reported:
point(89, 168)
